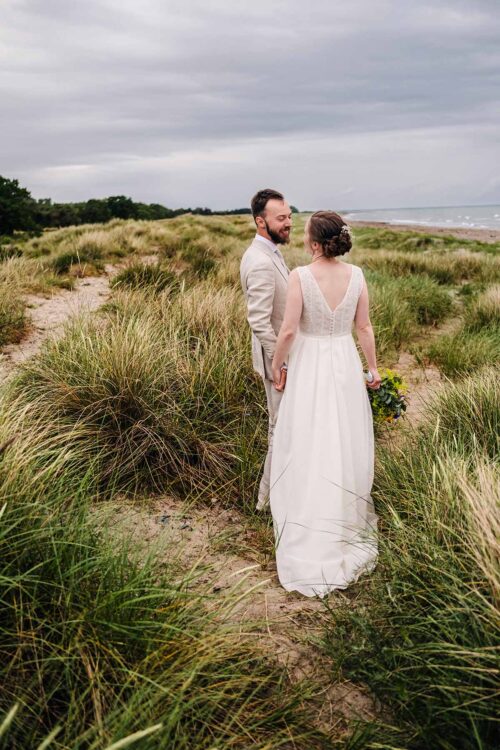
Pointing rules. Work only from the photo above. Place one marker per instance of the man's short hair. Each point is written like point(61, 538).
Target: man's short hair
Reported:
point(260, 199)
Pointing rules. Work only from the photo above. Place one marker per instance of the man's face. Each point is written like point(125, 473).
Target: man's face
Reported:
point(277, 221)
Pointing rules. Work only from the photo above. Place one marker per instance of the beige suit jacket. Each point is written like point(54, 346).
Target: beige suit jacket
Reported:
point(264, 280)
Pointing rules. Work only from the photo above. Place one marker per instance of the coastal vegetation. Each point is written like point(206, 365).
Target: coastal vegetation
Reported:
point(20, 212)
point(155, 394)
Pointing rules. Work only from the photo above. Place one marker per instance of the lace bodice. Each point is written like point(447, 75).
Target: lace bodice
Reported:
point(318, 319)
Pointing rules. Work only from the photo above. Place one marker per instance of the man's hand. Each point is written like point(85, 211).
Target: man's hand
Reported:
point(279, 377)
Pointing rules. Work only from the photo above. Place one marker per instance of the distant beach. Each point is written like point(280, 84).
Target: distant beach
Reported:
point(462, 233)
point(467, 222)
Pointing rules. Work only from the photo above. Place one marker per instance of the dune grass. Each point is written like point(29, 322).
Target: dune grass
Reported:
point(155, 277)
point(157, 393)
point(422, 631)
point(476, 343)
point(19, 276)
point(399, 307)
point(484, 311)
point(407, 241)
point(464, 352)
point(65, 261)
point(97, 644)
point(452, 267)
point(12, 316)
point(164, 388)
point(119, 238)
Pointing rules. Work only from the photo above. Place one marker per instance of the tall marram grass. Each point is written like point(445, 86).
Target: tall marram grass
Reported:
point(399, 306)
point(164, 388)
point(12, 316)
point(484, 311)
point(423, 631)
point(445, 268)
point(418, 242)
point(157, 392)
point(154, 277)
point(97, 644)
point(477, 342)
point(119, 238)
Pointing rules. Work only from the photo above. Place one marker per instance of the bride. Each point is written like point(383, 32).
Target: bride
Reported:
point(322, 468)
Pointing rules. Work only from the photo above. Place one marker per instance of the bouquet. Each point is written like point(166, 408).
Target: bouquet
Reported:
point(388, 402)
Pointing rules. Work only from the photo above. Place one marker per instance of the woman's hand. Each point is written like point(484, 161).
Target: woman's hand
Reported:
point(279, 377)
point(376, 379)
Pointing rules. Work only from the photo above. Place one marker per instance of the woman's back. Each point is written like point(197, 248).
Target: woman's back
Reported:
point(333, 279)
point(330, 297)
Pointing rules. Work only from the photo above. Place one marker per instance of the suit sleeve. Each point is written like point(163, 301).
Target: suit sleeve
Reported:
point(260, 284)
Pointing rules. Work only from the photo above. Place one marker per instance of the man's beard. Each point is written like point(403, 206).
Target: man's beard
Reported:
point(276, 238)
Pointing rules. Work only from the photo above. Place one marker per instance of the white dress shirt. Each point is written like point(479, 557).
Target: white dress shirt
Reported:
point(268, 242)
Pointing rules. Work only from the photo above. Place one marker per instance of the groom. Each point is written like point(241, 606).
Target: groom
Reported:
point(264, 279)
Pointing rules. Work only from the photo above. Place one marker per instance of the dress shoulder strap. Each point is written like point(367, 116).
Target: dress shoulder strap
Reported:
point(306, 285)
point(357, 281)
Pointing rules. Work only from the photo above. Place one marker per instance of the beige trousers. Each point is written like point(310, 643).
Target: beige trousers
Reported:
point(273, 404)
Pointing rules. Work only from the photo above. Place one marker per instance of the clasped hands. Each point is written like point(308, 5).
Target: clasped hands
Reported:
point(279, 377)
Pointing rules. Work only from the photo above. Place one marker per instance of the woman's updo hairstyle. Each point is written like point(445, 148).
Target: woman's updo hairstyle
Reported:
point(331, 232)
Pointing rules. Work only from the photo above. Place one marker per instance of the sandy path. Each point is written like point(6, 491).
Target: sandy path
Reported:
point(48, 315)
point(232, 570)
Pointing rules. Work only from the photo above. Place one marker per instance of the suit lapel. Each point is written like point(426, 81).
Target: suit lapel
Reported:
point(277, 262)
point(279, 265)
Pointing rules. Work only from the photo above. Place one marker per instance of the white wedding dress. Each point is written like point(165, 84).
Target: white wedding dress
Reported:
point(322, 465)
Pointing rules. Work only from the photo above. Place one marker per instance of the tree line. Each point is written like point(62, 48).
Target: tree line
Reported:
point(19, 211)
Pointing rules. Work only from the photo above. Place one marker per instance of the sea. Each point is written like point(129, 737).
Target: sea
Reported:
point(472, 217)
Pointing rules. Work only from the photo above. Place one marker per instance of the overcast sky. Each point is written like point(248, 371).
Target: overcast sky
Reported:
point(340, 104)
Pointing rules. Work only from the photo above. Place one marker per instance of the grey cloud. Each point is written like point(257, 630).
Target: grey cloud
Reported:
point(104, 83)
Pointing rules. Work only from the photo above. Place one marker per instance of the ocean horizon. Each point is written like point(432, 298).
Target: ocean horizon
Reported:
point(469, 217)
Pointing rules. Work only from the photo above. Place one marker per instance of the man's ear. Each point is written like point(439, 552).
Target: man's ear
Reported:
point(260, 222)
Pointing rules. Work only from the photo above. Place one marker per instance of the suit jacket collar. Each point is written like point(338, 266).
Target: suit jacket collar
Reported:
point(274, 257)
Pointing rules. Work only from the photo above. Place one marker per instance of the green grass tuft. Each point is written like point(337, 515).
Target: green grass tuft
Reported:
point(141, 276)
point(13, 321)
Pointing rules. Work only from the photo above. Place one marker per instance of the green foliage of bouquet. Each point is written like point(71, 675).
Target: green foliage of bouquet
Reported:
point(388, 402)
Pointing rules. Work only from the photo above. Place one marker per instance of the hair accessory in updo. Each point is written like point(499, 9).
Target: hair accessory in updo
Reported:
point(345, 232)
